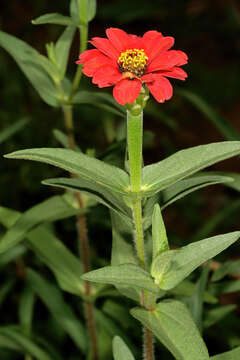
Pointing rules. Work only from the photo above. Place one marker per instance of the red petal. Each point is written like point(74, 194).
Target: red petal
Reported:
point(126, 91)
point(87, 55)
point(106, 76)
point(106, 47)
point(150, 38)
point(161, 89)
point(91, 66)
point(175, 72)
point(161, 45)
point(167, 60)
point(118, 38)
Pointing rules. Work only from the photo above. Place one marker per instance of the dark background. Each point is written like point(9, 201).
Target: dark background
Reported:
point(208, 31)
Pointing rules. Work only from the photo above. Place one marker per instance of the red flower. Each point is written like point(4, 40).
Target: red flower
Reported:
point(127, 61)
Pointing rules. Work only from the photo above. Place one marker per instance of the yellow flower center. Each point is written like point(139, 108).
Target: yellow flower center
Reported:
point(134, 61)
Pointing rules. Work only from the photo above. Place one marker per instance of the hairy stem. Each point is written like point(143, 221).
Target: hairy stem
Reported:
point(148, 345)
point(82, 241)
point(134, 141)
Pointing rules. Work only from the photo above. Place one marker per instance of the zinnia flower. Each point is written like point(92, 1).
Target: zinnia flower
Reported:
point(129, 61)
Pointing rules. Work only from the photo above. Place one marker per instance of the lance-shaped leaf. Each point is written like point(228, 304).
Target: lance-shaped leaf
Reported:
point(53, 18)
point(159, 234)
point(216, 314)
point(24, 342)
point(52, 297)
point(26, 310)
point(120, 350)
point(100, 100)
point(123, 251)
point(95, 191)
point(82, 165)
point(189, 185)
point(128, 275)
point(224, 126)
point(171, 267)
point(173, 325)
point(33, 65)
point(12, 129)
point(167, 172)
point(229, 355)
point(62, 48)
point(65, 266)
point(54, 208)
point(229, 267)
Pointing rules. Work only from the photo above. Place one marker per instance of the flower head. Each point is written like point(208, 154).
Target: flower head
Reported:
point(127, 62)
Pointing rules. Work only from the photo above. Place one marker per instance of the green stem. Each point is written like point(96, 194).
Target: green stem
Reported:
point(134, 141)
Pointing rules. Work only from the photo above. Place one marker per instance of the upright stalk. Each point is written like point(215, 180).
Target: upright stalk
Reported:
point(134, 141)
point(82, 241)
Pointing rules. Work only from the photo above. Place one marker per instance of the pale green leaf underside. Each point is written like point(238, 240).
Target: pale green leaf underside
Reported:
point(120, 350)
point(123, 275)
point(167, 172)
point(77, 163)
point(171, 267)
point(95, 191)
point(173, 325)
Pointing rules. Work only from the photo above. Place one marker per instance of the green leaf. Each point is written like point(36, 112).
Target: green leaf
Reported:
point(30, 62)
point(5, 289)
point(60, 310)
point(106, 323)
point(189, 185)
point(54, 208)
point(123, 251)
point(95, 191)
point(186, 162)
point(225, 127)
point(159, 234)
point(225, 287)
point(63, 139)
point(26, 310)
point(171, 267)
point(12, 129)
point(65, 266)
point(229, 355)
point(82, 165)
point(53, 18)
point(210, 225)
point(21, 340)
point(186, 288)
point(196, 302)
point(129, 275)
point(229, 267)
point(12, 254)
point(173, 325)
point(103, 101)
point(216, 314)
point(120, 350)
point(62, 49)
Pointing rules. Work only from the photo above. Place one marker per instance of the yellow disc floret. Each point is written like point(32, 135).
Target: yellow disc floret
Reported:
point(134, 61)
